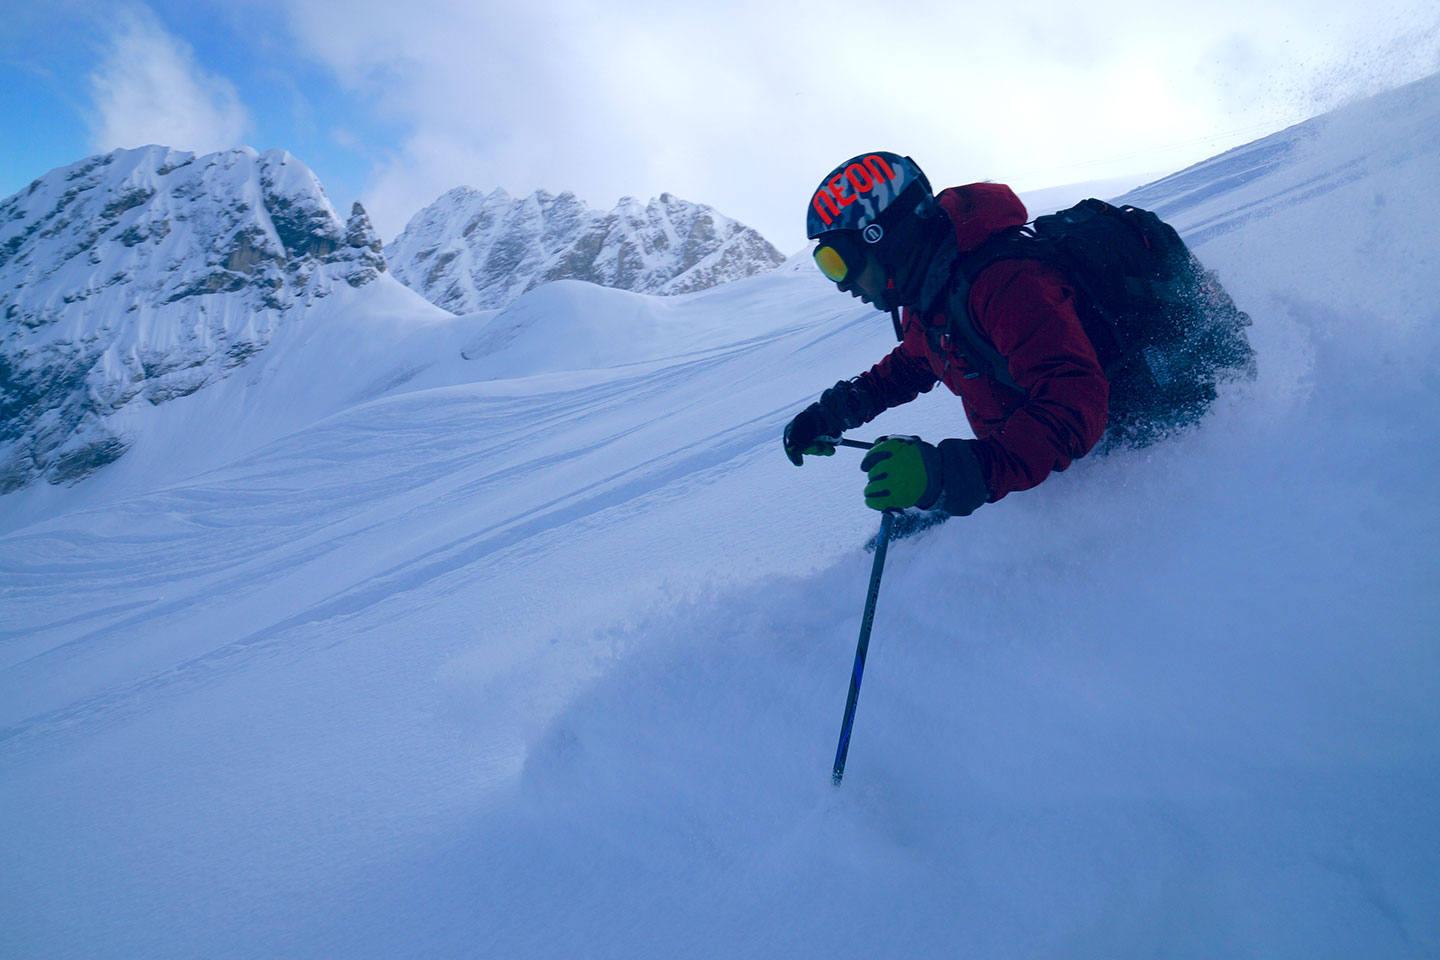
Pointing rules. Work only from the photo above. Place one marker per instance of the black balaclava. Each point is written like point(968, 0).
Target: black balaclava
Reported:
point(908, 251)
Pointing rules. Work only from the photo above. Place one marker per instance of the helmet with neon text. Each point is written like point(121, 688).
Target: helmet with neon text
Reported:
point(876, 203)
point(860, 191)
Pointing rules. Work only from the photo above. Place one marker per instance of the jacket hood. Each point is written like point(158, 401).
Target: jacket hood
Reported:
point(980, 210)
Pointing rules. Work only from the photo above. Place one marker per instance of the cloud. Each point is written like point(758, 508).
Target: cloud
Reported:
point(745, 105)
point(148, 88)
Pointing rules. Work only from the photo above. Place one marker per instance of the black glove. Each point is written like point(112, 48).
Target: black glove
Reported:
point(802, 433)
point(849, 405)
point(844, 406)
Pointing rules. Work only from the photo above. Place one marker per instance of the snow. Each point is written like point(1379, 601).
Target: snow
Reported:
point(417, 638)
point(1050, 199)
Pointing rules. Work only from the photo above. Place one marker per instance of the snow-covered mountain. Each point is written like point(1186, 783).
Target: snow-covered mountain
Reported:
point(143, 275)
point(471, 251)
point(483, 637)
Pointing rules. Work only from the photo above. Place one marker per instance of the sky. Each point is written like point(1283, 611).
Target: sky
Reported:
point(743, 105)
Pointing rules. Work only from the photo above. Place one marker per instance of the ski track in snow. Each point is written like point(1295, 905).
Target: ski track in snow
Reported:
point(289, 509)
point(524, 657)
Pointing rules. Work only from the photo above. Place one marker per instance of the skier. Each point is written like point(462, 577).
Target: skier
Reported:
point(1001, 328)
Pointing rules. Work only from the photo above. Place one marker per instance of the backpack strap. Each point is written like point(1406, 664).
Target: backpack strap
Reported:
point(961, 334)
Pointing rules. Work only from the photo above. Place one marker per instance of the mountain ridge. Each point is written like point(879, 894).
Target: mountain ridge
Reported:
point(149, 273)
point(146, 274)
point(471, 251)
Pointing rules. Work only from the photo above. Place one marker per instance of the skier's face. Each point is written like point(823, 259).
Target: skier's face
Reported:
point(868, 284)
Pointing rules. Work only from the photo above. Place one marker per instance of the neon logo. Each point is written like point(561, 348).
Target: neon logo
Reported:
point(861, 177)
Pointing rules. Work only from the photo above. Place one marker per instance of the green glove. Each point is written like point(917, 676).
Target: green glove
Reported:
point(904, 472)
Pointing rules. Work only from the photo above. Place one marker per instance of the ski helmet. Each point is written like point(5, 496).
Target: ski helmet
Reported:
point(876, 203)
point(859, 193)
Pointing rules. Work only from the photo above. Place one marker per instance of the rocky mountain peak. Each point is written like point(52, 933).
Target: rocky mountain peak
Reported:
point(145, 274)
point(471, 251)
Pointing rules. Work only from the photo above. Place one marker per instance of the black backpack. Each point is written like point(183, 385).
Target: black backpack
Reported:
point(1163, 327)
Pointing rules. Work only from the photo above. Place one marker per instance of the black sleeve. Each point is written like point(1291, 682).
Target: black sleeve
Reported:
point(965, 489)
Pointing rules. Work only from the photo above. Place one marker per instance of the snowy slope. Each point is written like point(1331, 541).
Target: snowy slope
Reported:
point(1050, 199)
point(472, 251)
point(526, 647)
point(140, 276)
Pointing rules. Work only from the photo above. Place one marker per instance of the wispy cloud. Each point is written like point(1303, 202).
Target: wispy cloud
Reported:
point(149, 88)
point(745, 105)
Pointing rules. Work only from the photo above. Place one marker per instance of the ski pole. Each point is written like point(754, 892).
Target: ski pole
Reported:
point(868, 620)
point(842, 442)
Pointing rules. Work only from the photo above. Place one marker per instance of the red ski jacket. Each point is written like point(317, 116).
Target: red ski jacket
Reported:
point(1026, 310)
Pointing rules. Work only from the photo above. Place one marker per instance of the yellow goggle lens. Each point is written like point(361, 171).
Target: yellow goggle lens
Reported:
point(831, 263)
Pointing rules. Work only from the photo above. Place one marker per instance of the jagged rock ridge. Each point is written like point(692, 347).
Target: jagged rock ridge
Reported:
point(471, 251)
point(144, 275)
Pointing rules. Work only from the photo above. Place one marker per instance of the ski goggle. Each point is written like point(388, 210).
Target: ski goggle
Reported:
point(839, 260)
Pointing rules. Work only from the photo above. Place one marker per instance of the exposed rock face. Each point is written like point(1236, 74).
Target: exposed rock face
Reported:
point(470, 251)
point(144, 275)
